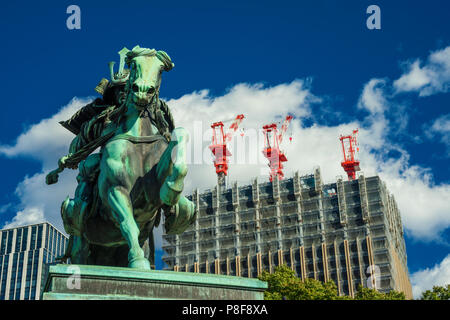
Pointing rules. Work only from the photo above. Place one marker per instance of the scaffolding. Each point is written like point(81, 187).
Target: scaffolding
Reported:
point(332, 231)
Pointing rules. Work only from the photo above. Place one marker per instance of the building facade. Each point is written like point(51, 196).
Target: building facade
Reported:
point(349, 232)
point(24, 252)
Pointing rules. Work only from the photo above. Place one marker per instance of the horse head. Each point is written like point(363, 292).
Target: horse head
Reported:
point(143, 78)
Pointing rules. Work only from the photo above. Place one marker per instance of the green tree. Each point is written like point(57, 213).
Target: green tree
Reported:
point(372, 294)
point(438, 293)
point(283, 284)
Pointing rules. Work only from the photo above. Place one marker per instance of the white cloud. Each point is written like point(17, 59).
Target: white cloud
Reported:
point(41, 201)
point(373, 100)
point(440, 128)
point(260, 105)
point(5, 207)
point(431, 78)
point(442, 124)
point(29, 216)
point(47, 140)
point(373, 97)
point(438, 275)
point(415, 79)
point(424, 205)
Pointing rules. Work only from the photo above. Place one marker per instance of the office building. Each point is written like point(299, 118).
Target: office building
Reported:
point(334, 231)
point(24, 252)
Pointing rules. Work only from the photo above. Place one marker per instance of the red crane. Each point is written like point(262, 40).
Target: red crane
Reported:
point(349, 148)
point(272, 142)
point(219, 146)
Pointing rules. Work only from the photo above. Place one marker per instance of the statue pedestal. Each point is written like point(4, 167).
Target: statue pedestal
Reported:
point(84, 282)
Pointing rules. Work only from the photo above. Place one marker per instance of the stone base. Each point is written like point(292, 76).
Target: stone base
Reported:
point(84, 282)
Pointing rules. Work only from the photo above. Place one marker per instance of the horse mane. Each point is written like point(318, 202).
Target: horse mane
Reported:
point(137, 51)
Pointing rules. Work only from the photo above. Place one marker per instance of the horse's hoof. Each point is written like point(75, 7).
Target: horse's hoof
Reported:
point(139, 263)
point(168, 195)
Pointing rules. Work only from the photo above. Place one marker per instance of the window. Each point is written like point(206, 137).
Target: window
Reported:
point(10, 238)
point(58, 244)
point(3, 244)
point(33, 238)
point(24, 239)
point(53, 250)
point(18, 239)
point(28, 274)
point(39, 237)
point(1, 274)
point(48, 238)
point(13, 277)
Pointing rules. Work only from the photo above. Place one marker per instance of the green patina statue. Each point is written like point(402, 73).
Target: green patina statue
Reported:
point(138, 173)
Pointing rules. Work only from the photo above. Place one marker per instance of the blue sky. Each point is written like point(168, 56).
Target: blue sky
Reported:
point(318, 48)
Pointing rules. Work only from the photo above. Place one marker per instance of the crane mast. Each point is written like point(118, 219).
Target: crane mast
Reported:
point(272, 151)
point(218, 146)
point(349, 149)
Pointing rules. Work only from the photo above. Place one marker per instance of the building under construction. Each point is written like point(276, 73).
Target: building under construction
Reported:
point(335, 231)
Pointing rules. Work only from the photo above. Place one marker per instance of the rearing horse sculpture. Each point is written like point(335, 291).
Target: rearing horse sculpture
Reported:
point(138, 173)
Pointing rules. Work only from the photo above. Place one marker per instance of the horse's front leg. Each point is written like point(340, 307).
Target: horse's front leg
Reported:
point(172, 168)
point(115, 183)
point(119, 202)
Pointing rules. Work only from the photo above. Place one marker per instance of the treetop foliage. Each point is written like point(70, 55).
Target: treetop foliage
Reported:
point(284, 285)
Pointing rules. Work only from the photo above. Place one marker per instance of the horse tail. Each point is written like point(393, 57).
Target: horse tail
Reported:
point(151, 246)
point(77, 251)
